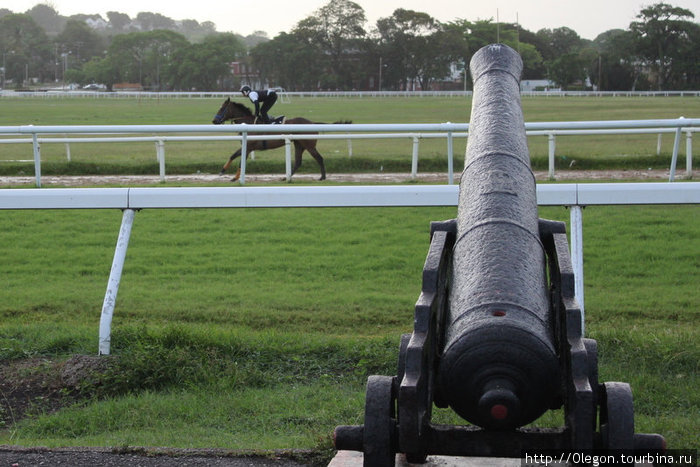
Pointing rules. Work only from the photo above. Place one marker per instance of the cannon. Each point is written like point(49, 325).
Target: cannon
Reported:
point(497, 330)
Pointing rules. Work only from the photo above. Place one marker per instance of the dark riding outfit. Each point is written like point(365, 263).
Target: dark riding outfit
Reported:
point(267, 98)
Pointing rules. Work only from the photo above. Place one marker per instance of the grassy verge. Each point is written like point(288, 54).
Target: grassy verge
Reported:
point(257, 329)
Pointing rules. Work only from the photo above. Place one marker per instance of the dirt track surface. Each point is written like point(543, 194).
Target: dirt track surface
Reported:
point(135, 180)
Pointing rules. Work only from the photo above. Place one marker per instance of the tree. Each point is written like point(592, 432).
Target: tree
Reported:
point(613, 69)
point(81, 41)
point(337, 28)
point(47, 18)
point(289, 61)
point(565, 55)
point(475, 35)
point(152, 21)
point(25, 48)
point(206, 66)
point(404, 45)
point(118, 21)
point(663, 36)
point(144, 57)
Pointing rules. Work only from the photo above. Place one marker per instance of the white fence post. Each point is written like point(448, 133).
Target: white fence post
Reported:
point(414, 158)
point(674, 157)
point(576, 221)
point(244, 152)
point(450, 159)
point(689, 154)
point(160, 152)
point(113, 283)
point(552, 143)
point(288, 159)
point(67, 149)
point(37, 159)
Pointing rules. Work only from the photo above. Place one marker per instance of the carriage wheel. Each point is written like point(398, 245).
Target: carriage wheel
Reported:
point(380, 422)
point(617, 416)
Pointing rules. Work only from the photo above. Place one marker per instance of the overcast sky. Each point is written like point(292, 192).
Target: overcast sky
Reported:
point(588, 18)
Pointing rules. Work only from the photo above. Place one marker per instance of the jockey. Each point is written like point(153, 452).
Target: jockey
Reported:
point(267, 98)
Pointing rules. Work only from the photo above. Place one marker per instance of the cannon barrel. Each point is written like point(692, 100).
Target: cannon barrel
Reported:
point(499, 366)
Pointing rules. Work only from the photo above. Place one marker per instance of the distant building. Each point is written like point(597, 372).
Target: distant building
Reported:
point(528, 85)
point(127, 87)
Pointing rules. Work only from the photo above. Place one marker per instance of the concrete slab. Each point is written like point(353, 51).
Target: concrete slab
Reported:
point(354, 459)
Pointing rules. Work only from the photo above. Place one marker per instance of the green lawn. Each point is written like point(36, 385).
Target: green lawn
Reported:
point(257, 329)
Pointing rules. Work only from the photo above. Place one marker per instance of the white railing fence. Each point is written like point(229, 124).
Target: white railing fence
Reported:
point(111, 133)
point(130, 200)
point(285, 96)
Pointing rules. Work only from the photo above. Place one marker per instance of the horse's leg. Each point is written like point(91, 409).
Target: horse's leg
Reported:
point(311, 147)
point(298, 151)
point(228, 162)
point(251, 148)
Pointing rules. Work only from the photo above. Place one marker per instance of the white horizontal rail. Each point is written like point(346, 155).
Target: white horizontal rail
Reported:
point(132, 199)
point(282, 136)
point(341, 127)
point(568, 194)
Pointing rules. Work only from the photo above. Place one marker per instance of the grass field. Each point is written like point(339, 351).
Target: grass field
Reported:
point(619, 151)
point(256, 329)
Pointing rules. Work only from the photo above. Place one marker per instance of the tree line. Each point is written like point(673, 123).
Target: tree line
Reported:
point(334, 49)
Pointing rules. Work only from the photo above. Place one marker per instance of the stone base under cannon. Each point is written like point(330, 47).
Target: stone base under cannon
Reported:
point(356, 459)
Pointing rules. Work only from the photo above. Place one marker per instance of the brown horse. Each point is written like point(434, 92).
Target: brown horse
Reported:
point(239, 113)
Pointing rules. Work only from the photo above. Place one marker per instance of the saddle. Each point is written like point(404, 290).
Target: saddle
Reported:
point(273, 120)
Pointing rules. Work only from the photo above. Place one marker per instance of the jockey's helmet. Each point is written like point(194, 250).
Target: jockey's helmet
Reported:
point(245, 90)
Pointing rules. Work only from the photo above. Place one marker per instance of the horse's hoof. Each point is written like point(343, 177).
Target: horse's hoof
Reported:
point(222, 172)
point(234, 179)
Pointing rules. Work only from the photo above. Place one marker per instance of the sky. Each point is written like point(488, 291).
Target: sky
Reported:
point(588, 18)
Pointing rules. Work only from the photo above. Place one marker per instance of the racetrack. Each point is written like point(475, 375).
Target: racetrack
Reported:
point(360, 178)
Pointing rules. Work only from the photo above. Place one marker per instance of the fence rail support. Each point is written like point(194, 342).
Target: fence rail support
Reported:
point(576, 223)
point(689, 155)
point(115, 276)
point(288, 159)
point(37, 159)
point(551, 145)
point(450, 159)
point(160, 152)
point(414, 158)
point(674, 157)
point(244, 156)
